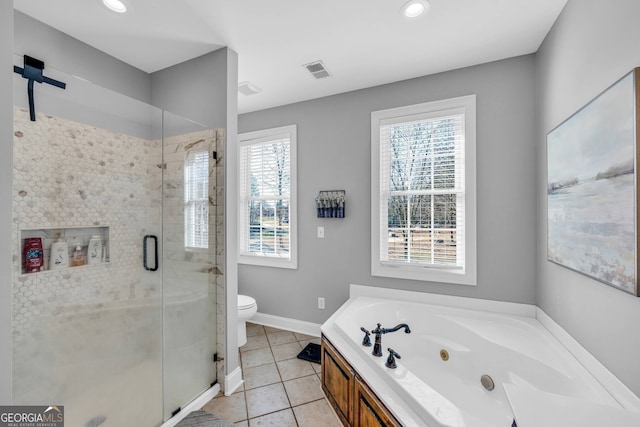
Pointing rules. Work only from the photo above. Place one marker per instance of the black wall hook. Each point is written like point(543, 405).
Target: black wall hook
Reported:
point(32, 71)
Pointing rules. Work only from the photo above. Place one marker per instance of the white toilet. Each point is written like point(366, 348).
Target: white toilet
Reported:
point(247, 308)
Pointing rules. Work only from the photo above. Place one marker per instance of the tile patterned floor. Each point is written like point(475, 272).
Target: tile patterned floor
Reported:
point(279, 389)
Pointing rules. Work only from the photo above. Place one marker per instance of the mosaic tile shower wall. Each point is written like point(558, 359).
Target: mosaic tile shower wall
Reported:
point(97, 329)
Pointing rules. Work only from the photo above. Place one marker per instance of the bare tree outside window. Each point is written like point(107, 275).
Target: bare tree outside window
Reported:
point(422, 194)
point(268, 203)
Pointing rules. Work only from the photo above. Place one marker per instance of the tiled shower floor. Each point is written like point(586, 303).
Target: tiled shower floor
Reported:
point(279, 389)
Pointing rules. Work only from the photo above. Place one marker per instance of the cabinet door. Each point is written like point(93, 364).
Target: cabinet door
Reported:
point(337, 382)
point(369, 411)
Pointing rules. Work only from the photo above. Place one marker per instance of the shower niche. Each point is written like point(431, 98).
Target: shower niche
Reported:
point(92, 241)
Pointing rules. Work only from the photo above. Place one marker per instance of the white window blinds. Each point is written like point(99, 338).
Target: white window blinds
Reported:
point(266, 181)
point(196, 196)
point(422, 190)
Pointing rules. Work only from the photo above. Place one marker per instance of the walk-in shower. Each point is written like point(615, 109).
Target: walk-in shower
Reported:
point(116, 343)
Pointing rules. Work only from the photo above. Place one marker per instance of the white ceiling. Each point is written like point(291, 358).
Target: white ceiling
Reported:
point(363, 43)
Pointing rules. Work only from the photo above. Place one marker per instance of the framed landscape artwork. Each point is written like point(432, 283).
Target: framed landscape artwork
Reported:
point(592, 182)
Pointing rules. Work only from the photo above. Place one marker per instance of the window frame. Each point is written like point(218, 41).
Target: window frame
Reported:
point(263, 259)
point(467, 275)
point(188, 202)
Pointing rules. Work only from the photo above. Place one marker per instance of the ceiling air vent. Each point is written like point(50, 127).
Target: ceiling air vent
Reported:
point(317, 70)
point(248, 88)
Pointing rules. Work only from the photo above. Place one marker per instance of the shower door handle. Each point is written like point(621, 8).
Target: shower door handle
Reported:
point(145, 251)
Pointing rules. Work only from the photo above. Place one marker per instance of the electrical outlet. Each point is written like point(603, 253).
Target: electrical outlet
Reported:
point(320, 232)
point(321, 303)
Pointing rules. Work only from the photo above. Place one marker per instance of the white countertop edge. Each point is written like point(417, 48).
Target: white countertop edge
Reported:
point(620, 392)
point(560, 411)
point(513, 308)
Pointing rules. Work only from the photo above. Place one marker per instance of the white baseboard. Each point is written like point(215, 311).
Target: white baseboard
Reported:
point(233, 381)
point(614, 386)
point(194, 405)
point(292, 325)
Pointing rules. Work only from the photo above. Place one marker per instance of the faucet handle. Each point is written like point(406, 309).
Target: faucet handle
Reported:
point(391, 360)
point(378, 330)
point(366, 341)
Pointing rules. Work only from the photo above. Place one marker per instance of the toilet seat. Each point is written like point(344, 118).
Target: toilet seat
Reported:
point(245, 302)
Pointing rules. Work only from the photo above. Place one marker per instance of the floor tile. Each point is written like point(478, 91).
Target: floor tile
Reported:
point(232, 408)
point(303, 337)
point(303, 390)
point(254, 343)
point(259, 376)
point(271, 330)
point(285, 351)
point(316, 414)
point(264, 400)
point(277, 419)
point(278, 389)
point(254, 329)
point(281, 337)
point(294, 368)
point(259, 357)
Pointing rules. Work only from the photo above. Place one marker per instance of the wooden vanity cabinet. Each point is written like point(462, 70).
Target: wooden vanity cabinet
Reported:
point(368, 411)
point(337, 382)
point(353, 401)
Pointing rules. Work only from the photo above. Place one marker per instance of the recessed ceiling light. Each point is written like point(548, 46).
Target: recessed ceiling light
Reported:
point(415, 8)
point(115, 6)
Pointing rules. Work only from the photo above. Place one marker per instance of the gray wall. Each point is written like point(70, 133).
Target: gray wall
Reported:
point(58, 50)
point(230, 217)
point(6, 173)
point(591, 45)
point(334, 153)
point(196, 89)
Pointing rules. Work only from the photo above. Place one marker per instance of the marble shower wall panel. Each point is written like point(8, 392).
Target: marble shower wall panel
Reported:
point(90, 337)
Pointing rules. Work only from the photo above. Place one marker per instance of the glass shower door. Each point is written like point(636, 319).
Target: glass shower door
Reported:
point(121, 342)
point(189, 297)
point(88, 337)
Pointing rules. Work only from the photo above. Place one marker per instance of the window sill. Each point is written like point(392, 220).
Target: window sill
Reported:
point(267, 261)
point(453, 276)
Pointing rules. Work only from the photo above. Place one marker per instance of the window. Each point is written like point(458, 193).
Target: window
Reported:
point(196, 200)
point(267, 222)
point(423, 192)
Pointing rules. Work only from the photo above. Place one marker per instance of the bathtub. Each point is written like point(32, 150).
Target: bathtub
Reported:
point(437, 381)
